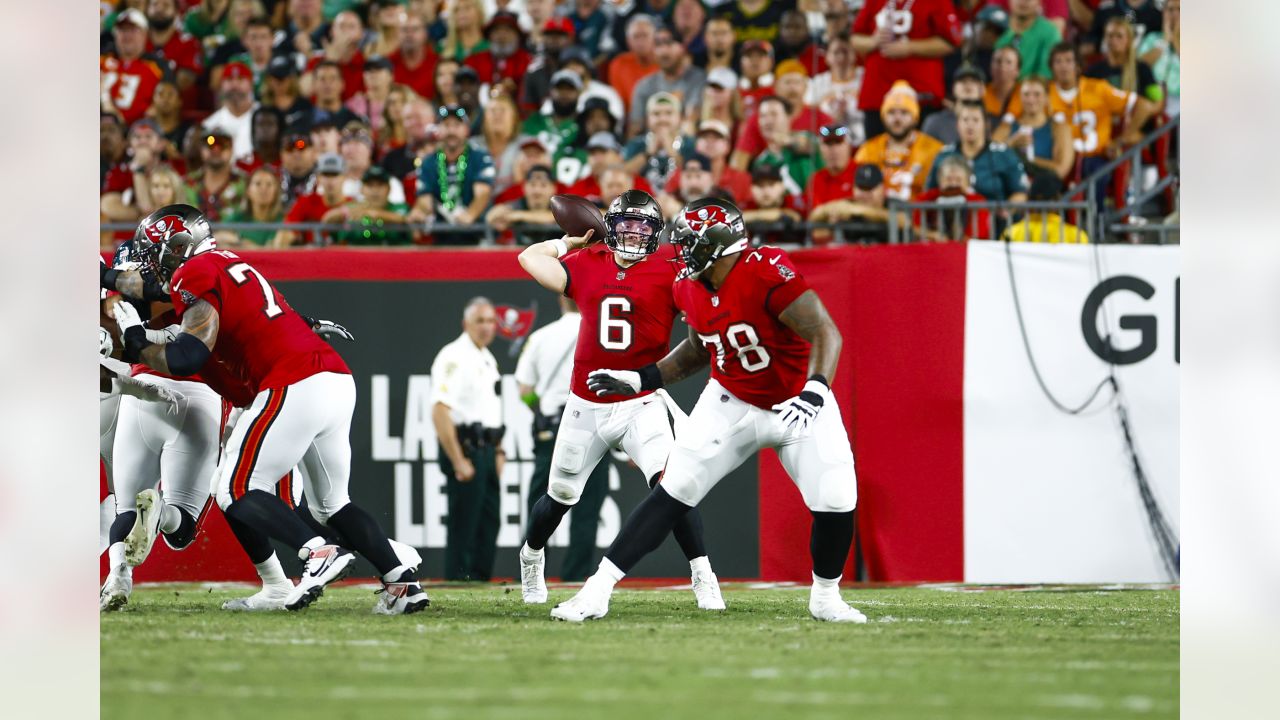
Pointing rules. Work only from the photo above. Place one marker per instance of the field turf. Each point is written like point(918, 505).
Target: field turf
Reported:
point(478, 652)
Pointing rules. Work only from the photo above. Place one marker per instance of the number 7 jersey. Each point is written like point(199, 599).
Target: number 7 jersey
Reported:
point(260, 337)
point(753, 354)
point(627, 313)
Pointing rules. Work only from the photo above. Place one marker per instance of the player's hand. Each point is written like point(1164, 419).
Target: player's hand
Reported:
point(171, 399)
point(574, 242)
point(105, 344)
point(464, 471)
point(135, 336)
point(797, 414)
point(896, 49)
point(613, 382)
point(329, 330)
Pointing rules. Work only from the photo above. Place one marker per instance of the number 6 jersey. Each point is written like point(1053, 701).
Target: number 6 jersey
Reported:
point(260, 337)
point(627, 313)
point(753, 354)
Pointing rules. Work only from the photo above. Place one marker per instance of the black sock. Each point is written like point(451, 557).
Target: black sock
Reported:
point(543, 520)
point(186, 532)
point(366, 538)
point(645, 530)
point(688, 530)
point(331, 536)
point(256, 544)
point(121, 526)
point(829, 542)
point(267, 513)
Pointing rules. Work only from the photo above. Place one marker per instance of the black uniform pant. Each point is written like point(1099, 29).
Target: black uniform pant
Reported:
point(474, 517)
point(580, 559)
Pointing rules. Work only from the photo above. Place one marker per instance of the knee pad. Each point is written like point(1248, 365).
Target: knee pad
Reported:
point(563, 492)
point(324, 510)
point(570, 453)
point(837, 491)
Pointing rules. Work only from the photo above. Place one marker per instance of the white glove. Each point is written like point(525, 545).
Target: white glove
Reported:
point(126, 316)
point(151, 393)
point(613, 382)
point(167, 335)
point(329, 330)
point(797, 414)
point(126, 266)
point(105, 345)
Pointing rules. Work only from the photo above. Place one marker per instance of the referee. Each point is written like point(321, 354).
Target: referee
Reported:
point(543, 374)
point(467, 414)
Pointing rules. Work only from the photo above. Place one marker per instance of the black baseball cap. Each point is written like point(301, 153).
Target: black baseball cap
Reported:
point(868, 177)
point(466, 72)
point(378, 62)
point(542, 170)
point(766, 172)
point(969, 72)
point(697, 158)
point(578, 54)
point(281, 67)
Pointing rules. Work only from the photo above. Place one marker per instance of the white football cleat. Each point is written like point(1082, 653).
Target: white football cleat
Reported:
point(270, 597)
point(833, 608)
point(325, 564)
point(115, 591)
point(533, 584)
point(590, 603)
point(146, 528)
point(401, 598)
point(706, 588)
point(406, 554)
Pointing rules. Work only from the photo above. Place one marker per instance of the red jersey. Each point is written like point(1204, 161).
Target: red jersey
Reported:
point(421, 78)
point(127, 85)
point(259, 336)
point(494, 70)
point(825, 185)
point(352, 74)
point(753, 354)
point(181, 51)
point(627, 313)
point(914, 20)
point(751, 141)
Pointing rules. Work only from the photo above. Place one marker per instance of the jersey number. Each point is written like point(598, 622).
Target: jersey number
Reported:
point(240, 273)
point(744, 341)
point(615, 328)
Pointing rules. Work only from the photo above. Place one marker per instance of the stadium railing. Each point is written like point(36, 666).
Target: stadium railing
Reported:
point(932, 221)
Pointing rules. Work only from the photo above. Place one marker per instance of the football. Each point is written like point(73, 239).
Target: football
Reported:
point(576, 215)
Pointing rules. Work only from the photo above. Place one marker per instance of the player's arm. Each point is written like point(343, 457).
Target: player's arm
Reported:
point(542, 260)
point(182, 356)
point(687, 358)
point(808, 317)
point(131, 283)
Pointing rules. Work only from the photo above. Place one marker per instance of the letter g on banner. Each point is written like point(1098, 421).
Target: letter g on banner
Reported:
point(1145, 324)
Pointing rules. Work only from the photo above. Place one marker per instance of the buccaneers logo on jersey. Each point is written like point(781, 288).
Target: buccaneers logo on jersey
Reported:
point(160, 230)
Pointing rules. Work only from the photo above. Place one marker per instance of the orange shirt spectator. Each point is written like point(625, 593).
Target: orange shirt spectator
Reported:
point(903, 153)
point(1091, 106)
point(626, 69)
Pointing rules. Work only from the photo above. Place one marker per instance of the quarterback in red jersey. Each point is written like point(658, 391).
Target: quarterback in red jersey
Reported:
point(301, 412)
point(772, 348)
point(623, 290)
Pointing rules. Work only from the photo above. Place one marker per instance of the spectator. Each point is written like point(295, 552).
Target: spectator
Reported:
point(835, 92)
point(903, 154)
point(311, 207)
point(713, 142)
point(998, 174)
point(769, 204)
point(533, 207)
point(757, 74)
point(676, 75)
point(1142, 14)
point(455, 186)
point(342, 51)
point(989, 25)
point(720, 99)
point(792, 152)
point(328, 83)
point(626, 69)
point(305, 29)
point(465, 35)
point(956, 221)
point(357, 153)
point(718, 45)
point(298, 163)
point(1057, 12)
point(402, 162)
point(1042, 141)
point(1045, 226)
point(591, 27)
point(1160, 50)
point(280, 91)
point(688, 20)
point(125, 188)
point(388, 18)
point(693, 182)
point(1090, 107)
point(208, 17)
point(256, 39)
point(262, 203)
point(576, 60)
point(392, 135)
point(266, 128)
point(445, 90)
point(166, 110)
point(177, 51)
point(967, 86)
point(1120, 65)
point(193, 148)
point(653, 154)
point(413, 63)
point(602, 152)
point(795, 43)
point(238, 17)
point(792, 85)
point(217, 185)
point(614, 181)
point(128, 79)
point(867, 205)
point(327, 137)
point(236, 105)
point(371, 213)
point(372, 101)
point(533, 20)
point(1002, 96)
point(532, 154)
point(558, 130)
point(758, 19)
point(834, 182)
point(499, 129)
point(573, 164)
point(505, 62)
point(903, 44)
point(557, 34)
point(165, 187)
point(661, 12)
point(1032, 35)
point(597, 116)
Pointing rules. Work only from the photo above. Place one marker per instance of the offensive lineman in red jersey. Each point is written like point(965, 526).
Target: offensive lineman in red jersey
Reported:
point(763, 331)
point(623, 290)
point(301, 413)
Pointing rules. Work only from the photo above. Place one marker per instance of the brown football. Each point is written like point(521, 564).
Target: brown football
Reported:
point(576, 215)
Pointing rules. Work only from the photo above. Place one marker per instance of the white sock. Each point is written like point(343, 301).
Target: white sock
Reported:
point(271, 572)
point(700, 565)
point(314, 543)
point(115, 559)
point(394, 574)
point(609, 574)
point(825, 586)
point(170, 518)
point(106, 516)
point(529, 553)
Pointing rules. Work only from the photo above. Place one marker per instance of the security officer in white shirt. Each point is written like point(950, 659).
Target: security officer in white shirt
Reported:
point(543, 375)
point(467, 414)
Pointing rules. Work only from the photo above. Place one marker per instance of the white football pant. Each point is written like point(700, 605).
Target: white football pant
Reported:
point(640, 426)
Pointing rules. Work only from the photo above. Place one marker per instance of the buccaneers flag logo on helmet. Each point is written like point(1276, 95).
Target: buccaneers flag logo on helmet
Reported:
point(704, 217)
point(161, 229)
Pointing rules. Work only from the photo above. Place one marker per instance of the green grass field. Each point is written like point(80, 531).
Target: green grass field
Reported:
point(1067, 652)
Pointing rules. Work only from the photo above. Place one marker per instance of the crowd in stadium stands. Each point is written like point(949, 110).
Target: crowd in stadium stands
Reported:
point(406, 119)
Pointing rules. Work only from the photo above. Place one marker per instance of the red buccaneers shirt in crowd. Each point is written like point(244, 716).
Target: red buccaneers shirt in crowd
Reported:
point(911, 20)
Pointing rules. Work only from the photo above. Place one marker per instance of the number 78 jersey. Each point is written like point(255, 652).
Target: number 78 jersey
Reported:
point(627, 313)
point(753, 354)
point(260, 337)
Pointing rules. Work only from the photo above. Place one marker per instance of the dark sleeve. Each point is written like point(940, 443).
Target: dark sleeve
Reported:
point(568, 278)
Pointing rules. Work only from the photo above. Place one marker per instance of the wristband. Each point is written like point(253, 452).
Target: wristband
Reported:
point(562, 248)
point(135, 341)
point(650, 377)
point(108, 278)
point(814, 392)
point(816, 377)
